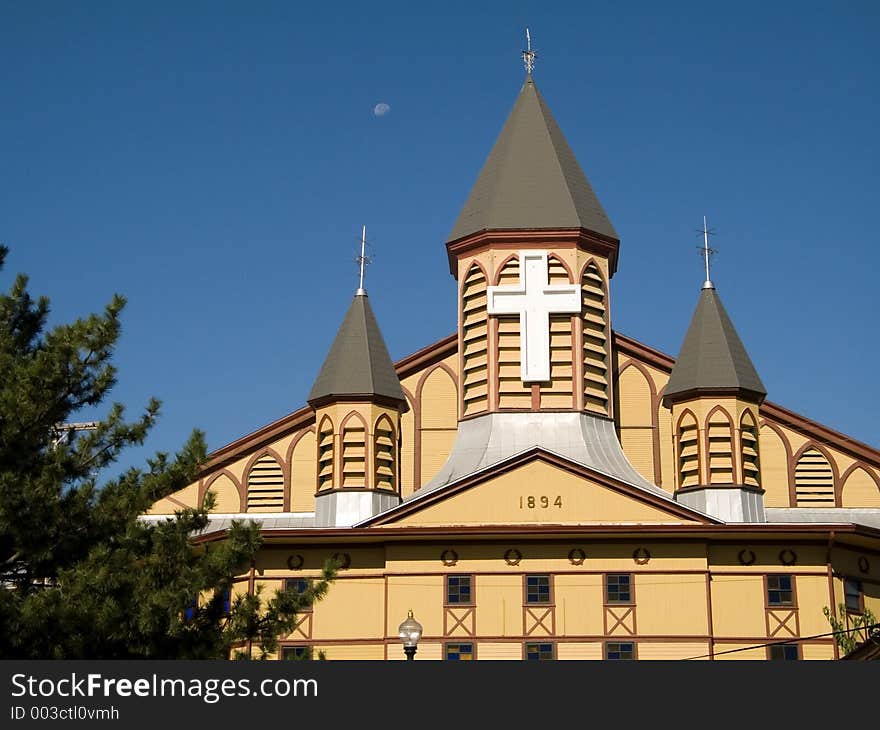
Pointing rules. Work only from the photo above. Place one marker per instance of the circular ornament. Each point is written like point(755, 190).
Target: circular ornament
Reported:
point(576, 556)
point(295, 562)
point(512, 556)
point(746, 556)
point(343, 560)
point(641, 556)
point(449, 557)
point(864, 565)
point(787, 556)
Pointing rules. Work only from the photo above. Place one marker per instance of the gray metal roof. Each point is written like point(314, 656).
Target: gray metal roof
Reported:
point(531, 179)
point(267, 521)
point(713, 356)
point(584, 439)
point(816, 515)
point(358, 362)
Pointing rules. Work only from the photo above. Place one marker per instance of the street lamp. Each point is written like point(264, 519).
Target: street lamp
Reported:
point(410, 632)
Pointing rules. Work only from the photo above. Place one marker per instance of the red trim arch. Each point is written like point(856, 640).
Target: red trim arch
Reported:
point(792, 496)
point(497, 277)
point(733, 450)
point(677, 436)
point(288, 493)
point(655, 416)
point(562, 263)
point(831, 462)
point(318, 433)
point(206, 485)
point(285, 474)
point(838, 497)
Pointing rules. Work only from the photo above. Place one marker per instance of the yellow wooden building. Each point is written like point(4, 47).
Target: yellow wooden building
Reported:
point(540, 486)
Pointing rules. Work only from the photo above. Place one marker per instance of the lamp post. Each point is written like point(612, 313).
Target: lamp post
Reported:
point(410, 632)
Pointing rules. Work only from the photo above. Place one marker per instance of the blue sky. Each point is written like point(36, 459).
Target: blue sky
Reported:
point(214, 162)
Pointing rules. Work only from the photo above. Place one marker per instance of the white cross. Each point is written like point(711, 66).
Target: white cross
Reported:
point(534, 300)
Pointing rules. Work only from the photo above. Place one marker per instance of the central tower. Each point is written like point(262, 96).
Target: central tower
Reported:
point(533, 252)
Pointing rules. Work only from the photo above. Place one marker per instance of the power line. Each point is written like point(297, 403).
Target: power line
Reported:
point(872, 630)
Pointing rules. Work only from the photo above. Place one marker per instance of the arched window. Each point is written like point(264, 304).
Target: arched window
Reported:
point(354, 453)
point(325, 454)
point(688, 452)
point(720, 448)
point(512, 392)
point(595, 350)
point(474, 335)
point(559, 393)
point(814, 480)
point(265, 485)
point(385, 463)
point(751, 464)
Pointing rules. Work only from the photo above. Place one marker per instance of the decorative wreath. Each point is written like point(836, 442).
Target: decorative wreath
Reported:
point(449, 557)
point(295, 562)
point(787, 557)
point(864, 565)
point(641, 555)
point(746, 556)
point(343, 560)
point(576, 556)
point(512, 556)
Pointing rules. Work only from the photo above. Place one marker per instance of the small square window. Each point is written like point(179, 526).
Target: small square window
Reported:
point(617, 650)
point(784, 652)
point(539, 652)
point(459, 652)
point(295, 653)
point(226, 600)
point(537, 589)
point(618, 588)
point(458, 589)
point(852, 591)
point(779, 590)
point(299, 586)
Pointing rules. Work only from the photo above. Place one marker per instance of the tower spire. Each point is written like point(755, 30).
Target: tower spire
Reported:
point(529, 55)
point(706, 253)
point(362, 262)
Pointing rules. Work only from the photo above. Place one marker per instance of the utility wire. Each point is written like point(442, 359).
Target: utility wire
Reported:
point(872, 630)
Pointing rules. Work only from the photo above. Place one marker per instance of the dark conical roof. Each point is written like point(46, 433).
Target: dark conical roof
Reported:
point(713, 357)
point(531, 179)
point(358, 363)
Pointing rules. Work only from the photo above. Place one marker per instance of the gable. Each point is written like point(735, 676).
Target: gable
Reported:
point(536, 489)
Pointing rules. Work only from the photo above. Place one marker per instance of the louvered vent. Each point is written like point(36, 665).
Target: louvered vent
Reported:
point(559, 393)
point(385, 462)
point(325, 455)
point(474, 328)
point(265, 486)
point(512, 392)
point(814, 480)
point(750, 460)
point(720, 449)
point(688, 454)
point(595, 342)
point(354, 455)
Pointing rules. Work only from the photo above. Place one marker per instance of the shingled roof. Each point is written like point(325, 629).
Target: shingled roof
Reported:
point(358, 363)
point(531, 179)
point(713, 357)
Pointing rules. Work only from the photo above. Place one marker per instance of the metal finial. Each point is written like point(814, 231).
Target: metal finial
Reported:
point(529, 55)
point(363, 260)
point(707, 252)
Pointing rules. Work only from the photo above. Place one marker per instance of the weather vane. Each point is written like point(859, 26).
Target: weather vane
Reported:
point(707, 252)
point(529, 55)
point(363, 261)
